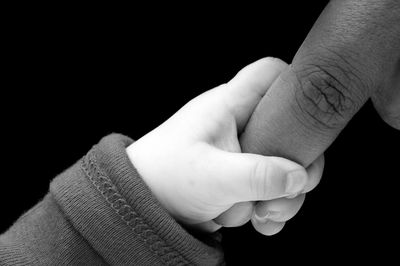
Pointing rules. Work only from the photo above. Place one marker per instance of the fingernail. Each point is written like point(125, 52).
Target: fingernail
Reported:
point(292, 196)
point(295, 182)
point(266, 216)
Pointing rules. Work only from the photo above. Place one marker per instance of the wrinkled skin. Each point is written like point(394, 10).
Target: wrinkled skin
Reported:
point(351, 54)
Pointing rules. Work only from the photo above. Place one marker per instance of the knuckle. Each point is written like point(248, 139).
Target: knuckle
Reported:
point(259, 180)
point(327, 93)
point(275, 60)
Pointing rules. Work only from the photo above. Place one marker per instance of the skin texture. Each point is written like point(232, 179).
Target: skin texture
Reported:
point(351, 54)
point(194, 166)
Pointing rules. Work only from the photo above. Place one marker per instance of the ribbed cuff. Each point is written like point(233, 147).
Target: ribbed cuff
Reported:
point(110, 205)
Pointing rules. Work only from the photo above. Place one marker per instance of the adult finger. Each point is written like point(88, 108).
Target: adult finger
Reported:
point(315, 171)
point(387, 100)
point(244, 91)
point(351, 50)
point(249, 85)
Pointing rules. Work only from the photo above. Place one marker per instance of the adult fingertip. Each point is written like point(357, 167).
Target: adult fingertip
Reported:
point(295, 182)
point(315, 172)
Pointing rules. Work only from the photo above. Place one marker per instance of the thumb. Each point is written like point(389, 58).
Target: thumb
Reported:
point(250, 177)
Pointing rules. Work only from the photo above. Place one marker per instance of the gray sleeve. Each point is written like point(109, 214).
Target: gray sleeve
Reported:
point(100, 212)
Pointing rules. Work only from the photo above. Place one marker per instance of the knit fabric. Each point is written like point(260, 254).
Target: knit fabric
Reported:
point(100, 212)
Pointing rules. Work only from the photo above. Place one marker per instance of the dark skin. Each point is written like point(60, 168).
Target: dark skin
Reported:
point(351, 54)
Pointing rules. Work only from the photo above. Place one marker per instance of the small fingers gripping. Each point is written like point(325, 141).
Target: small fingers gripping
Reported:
point(269, 217)
point(239, 214)
point(241, 180)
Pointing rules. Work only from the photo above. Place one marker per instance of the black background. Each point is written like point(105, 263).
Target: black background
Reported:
point(77, 74)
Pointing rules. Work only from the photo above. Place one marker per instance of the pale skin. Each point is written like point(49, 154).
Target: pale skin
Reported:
point(194, 165)
point(351, 54)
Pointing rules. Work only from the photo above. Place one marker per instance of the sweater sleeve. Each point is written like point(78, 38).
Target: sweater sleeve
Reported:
point(100, 212)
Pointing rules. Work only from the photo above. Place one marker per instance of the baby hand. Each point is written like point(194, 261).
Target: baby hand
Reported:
point(194, 166)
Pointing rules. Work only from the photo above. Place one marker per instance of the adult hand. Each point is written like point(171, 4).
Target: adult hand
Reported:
point(193, 162)
point(351, 54)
